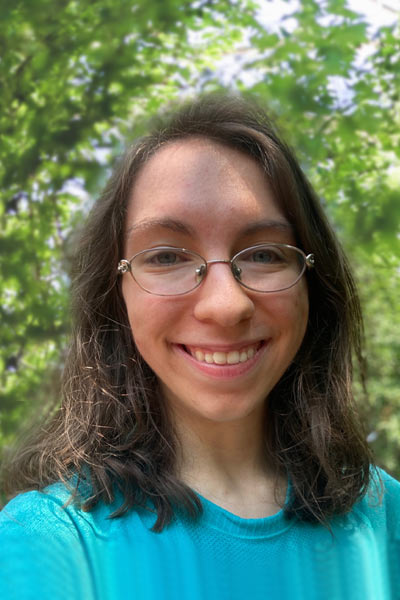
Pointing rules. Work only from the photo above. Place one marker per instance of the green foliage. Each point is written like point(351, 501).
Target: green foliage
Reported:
point(78, 77)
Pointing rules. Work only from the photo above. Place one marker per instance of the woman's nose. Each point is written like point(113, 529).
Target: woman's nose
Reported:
point(220, 298)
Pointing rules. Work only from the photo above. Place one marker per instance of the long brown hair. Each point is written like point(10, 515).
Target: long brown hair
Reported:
point(112, 428)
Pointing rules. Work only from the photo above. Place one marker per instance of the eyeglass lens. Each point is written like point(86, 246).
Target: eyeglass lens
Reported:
point(172, 271)
point(269, 268)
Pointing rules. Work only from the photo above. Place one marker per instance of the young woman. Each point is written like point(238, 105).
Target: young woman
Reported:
point(207, 445)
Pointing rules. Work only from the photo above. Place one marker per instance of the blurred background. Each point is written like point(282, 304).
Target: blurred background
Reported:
point(79, 78)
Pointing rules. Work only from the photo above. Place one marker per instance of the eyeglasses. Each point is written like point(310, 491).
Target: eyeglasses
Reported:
point(169, 271)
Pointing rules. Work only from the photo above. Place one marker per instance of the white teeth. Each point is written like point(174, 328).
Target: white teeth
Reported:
point(222, 358)
point(219, 358)
point(199, 355)
point(232, 357)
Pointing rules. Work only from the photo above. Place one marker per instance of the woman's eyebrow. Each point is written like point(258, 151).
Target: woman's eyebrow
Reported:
point(265, 224)
point(168, 223)
point(181, 227)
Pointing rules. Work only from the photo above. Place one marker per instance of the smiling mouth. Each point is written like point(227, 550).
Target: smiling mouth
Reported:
point(224, 358)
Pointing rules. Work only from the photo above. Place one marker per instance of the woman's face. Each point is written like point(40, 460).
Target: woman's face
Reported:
point(202, 196)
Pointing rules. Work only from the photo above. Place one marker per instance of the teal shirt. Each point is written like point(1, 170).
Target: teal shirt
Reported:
point(49, 553)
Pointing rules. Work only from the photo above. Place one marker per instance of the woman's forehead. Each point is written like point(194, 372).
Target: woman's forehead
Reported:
point(199, 179)
point(185, 159)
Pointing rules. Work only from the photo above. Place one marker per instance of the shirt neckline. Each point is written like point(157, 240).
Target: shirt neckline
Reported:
point(219, 518)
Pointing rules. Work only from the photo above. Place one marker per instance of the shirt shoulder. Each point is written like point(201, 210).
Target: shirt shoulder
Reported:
point(391, 500)
point(52, 513)
point(36, 512)
point(380, 507)
point(41, 554)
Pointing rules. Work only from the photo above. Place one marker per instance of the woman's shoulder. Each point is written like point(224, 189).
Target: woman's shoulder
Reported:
point(380, 507)
point(41, 550)
point(391, 492)
point(36, 511)
point(54, 512)
point(385, 487)
point(391, 484)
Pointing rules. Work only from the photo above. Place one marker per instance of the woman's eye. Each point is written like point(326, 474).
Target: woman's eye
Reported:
point(265, 256)
point(166, 258)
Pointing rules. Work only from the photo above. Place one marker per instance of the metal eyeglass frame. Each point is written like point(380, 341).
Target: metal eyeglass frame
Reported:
point(124, 266)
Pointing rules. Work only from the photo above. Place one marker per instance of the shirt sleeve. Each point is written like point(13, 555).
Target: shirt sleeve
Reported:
point(41, 554)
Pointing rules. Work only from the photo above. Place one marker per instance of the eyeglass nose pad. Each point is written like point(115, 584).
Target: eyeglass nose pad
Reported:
point(200, 272)
point(237, 272)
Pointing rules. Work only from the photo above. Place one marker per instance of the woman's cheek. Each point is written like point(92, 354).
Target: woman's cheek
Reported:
point(153, 320)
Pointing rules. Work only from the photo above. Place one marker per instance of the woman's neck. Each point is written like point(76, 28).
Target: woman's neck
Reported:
point(227, 463)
